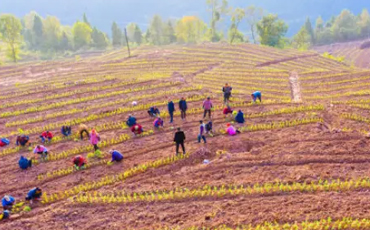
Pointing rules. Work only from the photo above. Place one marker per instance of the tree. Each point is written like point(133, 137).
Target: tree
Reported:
point(64, 42)
point(364, 24)
point(85, 20)
point(116, 35)
point(190, 29)
point(38, 32)
point(52, 32)
point(217, 9)
point(236, 17)
point(99, 39)
point(134, 33)
point(11, 28)
point(302, 39)
point(253, 15)
point(169, 33)
point(81, 34)
point(309, 30)
point(272, 30)
point(156, 30)
point(345, 27)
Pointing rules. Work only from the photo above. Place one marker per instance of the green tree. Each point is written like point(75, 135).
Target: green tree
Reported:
point(364, 23)
point(345, 27)
point(253, 15)
point(38, 31)
point(271, 30)
point(116, 35)
point(310, 31)
point(64, 42)
point(236, 17)
point(81, 34)
point(217, 9)
point(85, 20)
point(134, 33)
point(190, 29)
point(156, 31)
point(302, 39)
point(11, 27)
point(169, 33)
point(52, 32)
point(99, 39)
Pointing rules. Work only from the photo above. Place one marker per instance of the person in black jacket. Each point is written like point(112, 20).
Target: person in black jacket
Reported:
point(183, 107)
point(179, 140)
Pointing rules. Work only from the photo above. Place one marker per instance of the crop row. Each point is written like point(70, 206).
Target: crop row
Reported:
point(226, 190)
point(355, 117)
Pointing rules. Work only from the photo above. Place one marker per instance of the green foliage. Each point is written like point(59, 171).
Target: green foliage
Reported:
point(116, 35)
point(52, 33)
point(309, 30)
point(328, 55)
point(236, 17)
point(81, 34)
point(253, 15)
point(85, 20)
point(271, 30)
point(10, 28)
point(99, 39)
point(169, 33)
point(37, 31)
point(217, 10)
point(156, 31)
point(302, 39)
point(134, 33)
point(190, 29)
point(364, 24)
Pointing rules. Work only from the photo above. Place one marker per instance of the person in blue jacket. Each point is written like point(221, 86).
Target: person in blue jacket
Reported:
point(116, 156)
point(171, 109)
point(153, 111)
point(24, 163)
point(240, 117)
point(183, 107)
point(131, 121)
point(7, 202)
point(256, 95)
point(66, 130)
point(5, 215)
point(34, 194)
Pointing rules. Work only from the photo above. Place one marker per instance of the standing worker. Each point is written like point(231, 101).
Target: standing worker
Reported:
point(202, 130)
point(183, 107)
point(94, 139)
point(82, 128)
point(256, 95)
point(207, 106)
point(179, 140)
point(227, 92)
point(171, 109)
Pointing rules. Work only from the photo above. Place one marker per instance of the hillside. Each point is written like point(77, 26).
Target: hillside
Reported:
point(300, 161)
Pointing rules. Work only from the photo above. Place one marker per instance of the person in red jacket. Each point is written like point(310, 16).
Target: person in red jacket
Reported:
point(46, 135)
point(137, 129)
point(79, 162)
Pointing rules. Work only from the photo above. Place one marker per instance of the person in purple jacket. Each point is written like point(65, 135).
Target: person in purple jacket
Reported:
point(202, 131)
point(116, 156)
point(207, 106)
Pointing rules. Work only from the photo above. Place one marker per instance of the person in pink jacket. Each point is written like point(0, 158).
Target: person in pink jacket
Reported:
point(231, 130)
point(94, 139)
point(207, 106)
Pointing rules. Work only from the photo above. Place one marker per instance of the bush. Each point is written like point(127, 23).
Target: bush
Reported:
point(365, 45)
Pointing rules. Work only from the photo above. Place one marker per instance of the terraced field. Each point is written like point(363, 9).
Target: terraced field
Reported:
point(300, 162)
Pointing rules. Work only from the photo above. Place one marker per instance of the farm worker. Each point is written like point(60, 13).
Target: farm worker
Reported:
point(137, 129)
point(231, 130)
point(256, 95)
point(24, 163)
point(227, 110)
point(66, 130)
point(158, 122)
point(153, 111)
point(202, 130)
point(116, 156)
point(7, 202)
point(4, 142)
point(227, 92)
point(171, 109)
point(240, 117)
point(207, 106)
point(34, 194)
point(183, 107)
point(94, 139)
point(234, 113)
point(179, 140)
point(42, 151)
point(209, 127)
point(46, 135)
point(5, 215)
point(82, 128)
point(79, 162)
point(22, 140)
point(131, 121)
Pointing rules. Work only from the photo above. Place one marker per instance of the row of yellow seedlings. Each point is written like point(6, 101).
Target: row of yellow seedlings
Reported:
point(327, 224)
point(34, 109)
point(169, 91)
point(144, 167)
point(226, 190)
point(355, 117)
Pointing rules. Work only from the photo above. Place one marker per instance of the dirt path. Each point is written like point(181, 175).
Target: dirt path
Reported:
point(295, 87)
